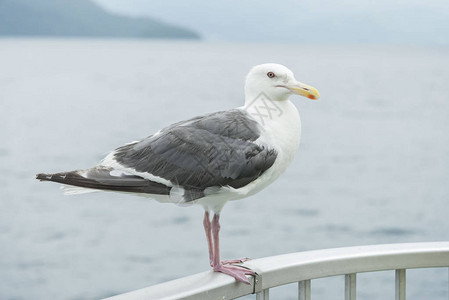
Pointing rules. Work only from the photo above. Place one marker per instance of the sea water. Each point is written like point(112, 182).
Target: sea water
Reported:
point(372, 168)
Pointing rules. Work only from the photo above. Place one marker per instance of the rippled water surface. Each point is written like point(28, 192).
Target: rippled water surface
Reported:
point(372, 168)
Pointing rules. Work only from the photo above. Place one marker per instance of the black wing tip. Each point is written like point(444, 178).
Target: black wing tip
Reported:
point(43, 176)
point(103, 181)
point(57, 177)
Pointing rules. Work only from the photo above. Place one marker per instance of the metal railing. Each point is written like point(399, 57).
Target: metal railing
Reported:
point(302, 267)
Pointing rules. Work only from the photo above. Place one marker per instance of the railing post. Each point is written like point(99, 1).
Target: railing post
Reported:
point(400, 284)
point(263, 295)
point(350, 286)
point(304, 290)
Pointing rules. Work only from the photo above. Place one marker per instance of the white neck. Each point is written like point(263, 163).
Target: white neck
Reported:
point(280, 120)
point(252, 95)
point(269, 112)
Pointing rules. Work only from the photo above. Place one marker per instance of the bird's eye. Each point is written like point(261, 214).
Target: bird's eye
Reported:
point(271, 75)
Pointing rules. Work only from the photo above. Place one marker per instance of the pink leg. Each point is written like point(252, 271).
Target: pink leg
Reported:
point(238, 272)
point(207, 229)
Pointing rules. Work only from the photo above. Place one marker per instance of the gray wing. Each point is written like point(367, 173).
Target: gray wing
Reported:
point(209, 151)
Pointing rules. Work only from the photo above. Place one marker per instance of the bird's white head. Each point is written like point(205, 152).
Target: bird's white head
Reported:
point(277, 82)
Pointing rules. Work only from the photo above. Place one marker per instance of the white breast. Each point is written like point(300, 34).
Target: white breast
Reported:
point(282, 131)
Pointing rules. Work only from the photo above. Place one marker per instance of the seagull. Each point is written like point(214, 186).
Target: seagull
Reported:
point(208, 160)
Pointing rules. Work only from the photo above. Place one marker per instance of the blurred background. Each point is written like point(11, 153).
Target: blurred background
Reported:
point(79, 78)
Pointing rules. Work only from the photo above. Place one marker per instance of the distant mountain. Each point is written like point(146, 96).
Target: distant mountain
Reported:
point(81, 18)
point(412, 22)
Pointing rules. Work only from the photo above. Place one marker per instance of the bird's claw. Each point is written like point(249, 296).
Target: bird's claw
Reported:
point(238, 272)
point(235, 261)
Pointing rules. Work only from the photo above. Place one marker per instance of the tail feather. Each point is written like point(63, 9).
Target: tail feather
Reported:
point(101, 178)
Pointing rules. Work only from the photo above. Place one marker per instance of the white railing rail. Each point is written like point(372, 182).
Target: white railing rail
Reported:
point(302, 267)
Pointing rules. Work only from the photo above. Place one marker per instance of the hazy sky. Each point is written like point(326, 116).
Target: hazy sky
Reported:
point(309, 20)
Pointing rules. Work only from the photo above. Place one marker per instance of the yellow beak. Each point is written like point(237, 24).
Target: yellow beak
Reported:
point(304, 90)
